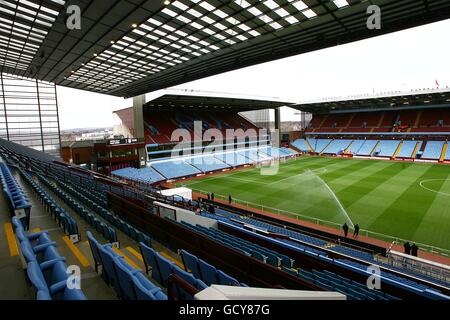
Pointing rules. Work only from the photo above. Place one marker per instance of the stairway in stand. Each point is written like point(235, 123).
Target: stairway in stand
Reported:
point(444, 152)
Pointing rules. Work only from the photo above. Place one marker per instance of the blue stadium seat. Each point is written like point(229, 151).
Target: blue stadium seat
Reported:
point(108, 270)
point(208, 272)
point(226, 280)
point(95, 250)
point(165, 267)
point(145, 290)
point(149, 257)
point(190, 263)
point(125, 279)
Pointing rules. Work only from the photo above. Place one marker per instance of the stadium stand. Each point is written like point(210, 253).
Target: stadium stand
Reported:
point(147, 174)
point(433, 150)
point(352, 289)
point(367, 148)
point(397, 281)
point(206, 163)
point(302, 145)
point(127, 281)
point(62, 217)
point(170, 168)
point(386, 148)
point(355, 146)
point(408, 147)
point(321, 144)
point(17, 199)
point(417, 120)
point(309, 242)
point(46, 268)
point(159, 125)
point(337, 146)
point(174, 168)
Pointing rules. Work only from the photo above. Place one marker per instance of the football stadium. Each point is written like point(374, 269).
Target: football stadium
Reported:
point(210, 195)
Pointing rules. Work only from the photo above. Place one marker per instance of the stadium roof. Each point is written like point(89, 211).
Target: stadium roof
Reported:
point(212, 103)
point(426, 98)
point(130, 47)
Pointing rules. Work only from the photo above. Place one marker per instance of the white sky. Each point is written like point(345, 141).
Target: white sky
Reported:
point(405, 60)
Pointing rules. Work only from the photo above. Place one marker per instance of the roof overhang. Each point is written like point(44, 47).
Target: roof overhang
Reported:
point(212, 103)
point(437, 98)
point(127, 48)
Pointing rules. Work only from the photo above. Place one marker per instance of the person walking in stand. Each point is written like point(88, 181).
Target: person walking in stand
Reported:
point(356, 232)
point(414, 250)
point(407, 248)
point(345, 228)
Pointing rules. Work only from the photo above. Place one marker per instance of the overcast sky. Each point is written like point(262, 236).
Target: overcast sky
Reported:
point(405, 60)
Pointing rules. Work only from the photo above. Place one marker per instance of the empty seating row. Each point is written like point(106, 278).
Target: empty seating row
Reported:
point(395, 280)
point(267, 226)
point(200, 269)
point(433, 150)
point(355, 146)
point(301, 145)
point(64, 220)
point(17, 199)
point(370, 258)
point(353, 253)
point(46, 268)
point(148, 175)
point(89, 192)
point(367, 148)
point(182, 166)
point(174, 168)
point(337, 146)
point(258, 252)
point(207, 163)
point(122, 225)
point(81, 206)
point(408, 148)
point(237, 220)
point(161, 268)
point(334, 282)
point(106, 231)
point(386, 148)
point(321, 144)
point(233, 159)
point(380, 148)
point(286, 152)
point(128, 283)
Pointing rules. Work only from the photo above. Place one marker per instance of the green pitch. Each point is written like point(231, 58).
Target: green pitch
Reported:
point(405, 200)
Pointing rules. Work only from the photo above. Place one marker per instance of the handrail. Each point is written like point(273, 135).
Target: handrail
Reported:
point(176, 280)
